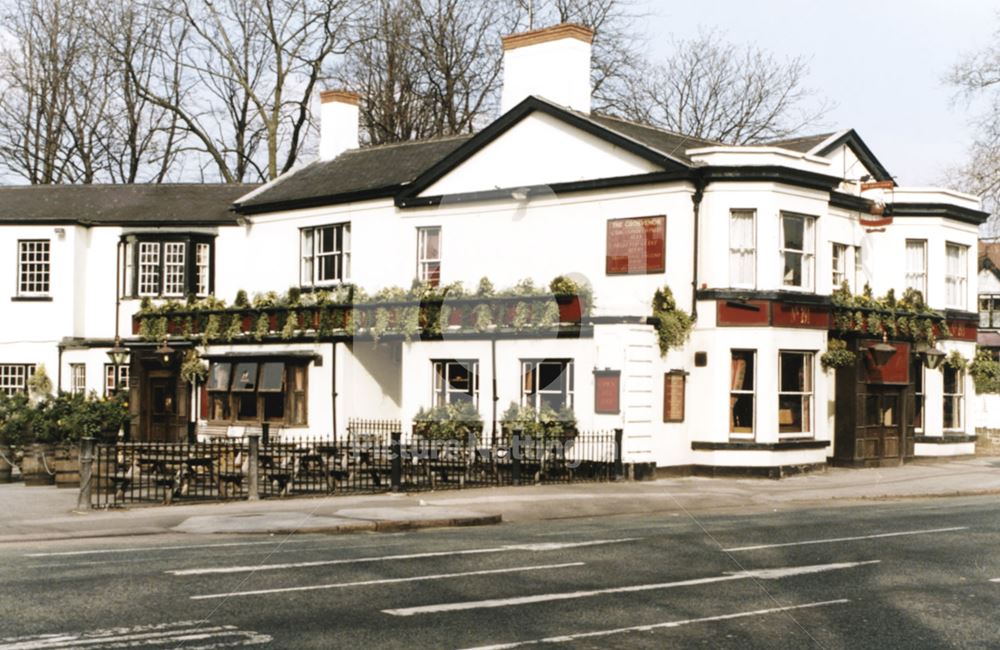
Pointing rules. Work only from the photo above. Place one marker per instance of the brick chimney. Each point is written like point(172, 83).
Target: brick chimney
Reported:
point(553, 63)
point(338, 122)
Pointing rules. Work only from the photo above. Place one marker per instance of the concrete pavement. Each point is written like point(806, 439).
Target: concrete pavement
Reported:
point(47, 513)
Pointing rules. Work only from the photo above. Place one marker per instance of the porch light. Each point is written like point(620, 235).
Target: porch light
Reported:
point(165, 352)
point(932, 356)
point(882, 352)
point(118, 354)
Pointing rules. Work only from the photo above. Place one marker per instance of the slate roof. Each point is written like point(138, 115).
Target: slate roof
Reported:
point(802, 144)
point(138, 204)
point(363, 173)
point(666, 142)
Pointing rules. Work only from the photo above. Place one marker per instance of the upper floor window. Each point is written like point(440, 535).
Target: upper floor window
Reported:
point(954, 394)
point(839, 264)
point(797, 251)
point(33, 267)
point(14, 377)
point(547, 383)
point(456, 381)
point(989, 311)
point(955, 275)
point(859, 271)
point(326, 254)
point(742, 393)
point(795, 393)
point(429, 255)
point(168, 266)
point(916, 265)
point(742, 248)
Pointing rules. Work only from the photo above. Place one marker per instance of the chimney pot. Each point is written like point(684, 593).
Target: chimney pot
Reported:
point(553, 63)
point(338, 122)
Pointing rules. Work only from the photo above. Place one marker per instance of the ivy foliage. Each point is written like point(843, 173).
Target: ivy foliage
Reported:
point(673, 325)
point(837, 355)
point(985, 371)
point(908, 317)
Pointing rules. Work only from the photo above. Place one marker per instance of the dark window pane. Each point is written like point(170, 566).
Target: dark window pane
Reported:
point(245, 377)
point(741, 420)
point(742, 370)
point(218, 406)
point(792, 372)
point(552, 376)
point(272, 376)
point(218, 376)
point(274, 407)
point(794, 232)
point(790, 413)
point(326, 240)
point(459, 377)
point(950, 380)
point(247, 405)
point(873, 410)
point(793, 269)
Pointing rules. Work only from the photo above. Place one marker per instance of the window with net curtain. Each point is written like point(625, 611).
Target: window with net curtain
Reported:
point(742, 248)
point(955, 275)
point(916, 265)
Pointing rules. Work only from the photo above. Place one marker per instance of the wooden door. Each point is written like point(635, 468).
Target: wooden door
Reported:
point(881, 422)
point(162, 408)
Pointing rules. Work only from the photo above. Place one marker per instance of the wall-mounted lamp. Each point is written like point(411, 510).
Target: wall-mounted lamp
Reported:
point(932, 356)
point(882, 352)
point(165, 352)
point(60, 233)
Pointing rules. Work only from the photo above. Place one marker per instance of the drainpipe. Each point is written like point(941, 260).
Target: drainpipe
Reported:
point(118, 290)
point(493, 380)
point(333, 389)
point(699, 191)
point(59, 370)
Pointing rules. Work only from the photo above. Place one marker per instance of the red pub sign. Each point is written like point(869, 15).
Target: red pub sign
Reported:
point(636, 245)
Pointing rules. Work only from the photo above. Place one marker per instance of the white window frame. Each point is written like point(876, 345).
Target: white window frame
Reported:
point(202, 268)
point(807, 253)
point(149, 270)
point(958, 398)
point(838, 264)
point(14, 377)
point(752, 392)
point(989, 311)
point(532, 396)
point(78, 378)
point(443, 391)
point(807, 393)
point(174, 265)
point(955, 285)
point(109, 378)
point(919, 396)
point(739, 252)
point(917, 278)
point(424, 261)
point(311, 254)
point(34, 267)
point(859, 271)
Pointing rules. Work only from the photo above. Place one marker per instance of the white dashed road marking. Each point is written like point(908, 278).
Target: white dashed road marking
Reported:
point(534, 548)
point(386, 581)
point(831, 540)
point(165, 635)
point(659, 626)
point(758, 574)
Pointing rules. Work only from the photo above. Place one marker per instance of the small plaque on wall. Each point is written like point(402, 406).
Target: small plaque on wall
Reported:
point(673, 396)
point(607, 391)
point(636, 246)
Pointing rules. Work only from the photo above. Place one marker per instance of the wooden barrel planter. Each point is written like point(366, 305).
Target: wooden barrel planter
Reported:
point(38, 466)
point(67, 466)
point(6, 468)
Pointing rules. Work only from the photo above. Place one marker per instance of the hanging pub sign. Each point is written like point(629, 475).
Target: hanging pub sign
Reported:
point(636, 246)
point(607, 391)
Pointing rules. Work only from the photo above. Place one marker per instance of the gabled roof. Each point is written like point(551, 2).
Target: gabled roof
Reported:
point(140, 204)
point(356, 174)
point(823, 144)
point(802, 144)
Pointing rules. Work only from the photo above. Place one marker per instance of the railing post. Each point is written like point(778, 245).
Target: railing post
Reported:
point(619, 461)
point(515, 456)
point(395, 455)
point(265, 433)
point(83, 501)
point(253, 440)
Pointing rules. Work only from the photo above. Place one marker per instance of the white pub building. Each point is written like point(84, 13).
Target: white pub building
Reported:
point(751, 240)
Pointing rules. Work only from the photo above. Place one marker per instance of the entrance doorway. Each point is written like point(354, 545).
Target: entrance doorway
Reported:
point(162, 408)
point(881, 425)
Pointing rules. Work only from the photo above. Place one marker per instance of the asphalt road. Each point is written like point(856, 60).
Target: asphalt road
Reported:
point(912, 574)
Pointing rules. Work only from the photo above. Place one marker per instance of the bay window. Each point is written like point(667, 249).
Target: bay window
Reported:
point(955, 275)
point(547, 383)
point(742, 248)
point(456, 381)
point(325, 254)
point(795, 393)
point(742, 393)
point(916, 265)
point(797, 251)
point(839, 264)
point(253, 391)
point(954, 397)
point(168, 266)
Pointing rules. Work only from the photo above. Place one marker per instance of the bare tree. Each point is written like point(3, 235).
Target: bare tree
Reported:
point(716, 90)
point(977, 80)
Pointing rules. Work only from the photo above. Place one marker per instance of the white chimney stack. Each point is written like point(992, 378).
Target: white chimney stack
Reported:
point(553, 63)
point(338, 123)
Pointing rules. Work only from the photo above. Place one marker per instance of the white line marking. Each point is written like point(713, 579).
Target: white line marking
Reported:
point(647, 628)
point(164, 634)
point(846, 539)
point(551, 546)
point(386, 581)
point(995, 580)
point(146, 549)
point(760, 574)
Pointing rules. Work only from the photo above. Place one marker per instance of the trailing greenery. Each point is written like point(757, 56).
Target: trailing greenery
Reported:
point(673, 325)
point(985, 371)
point(908, 317)
point(956, 361)
point(419, 310)
point(193, 368)
point(40, 386)
point(837, 355)
point(460, 421)
point(544, 423)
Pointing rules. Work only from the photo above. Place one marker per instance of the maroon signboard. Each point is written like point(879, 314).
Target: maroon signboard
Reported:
point(636, 246)
point(785, 315)
point(735, 313)
point(961, 330)
point(607, 391)
point(895, 371)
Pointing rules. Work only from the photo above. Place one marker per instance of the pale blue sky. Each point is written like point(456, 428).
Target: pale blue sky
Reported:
point(881, 61)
